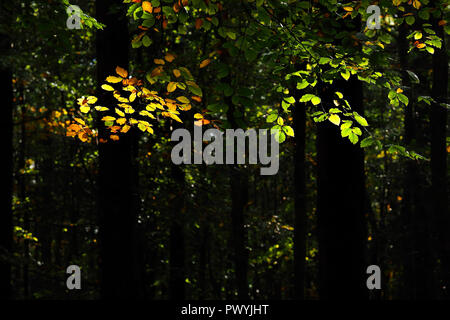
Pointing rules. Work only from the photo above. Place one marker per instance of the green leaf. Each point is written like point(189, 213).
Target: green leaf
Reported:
point(272, 117)
point(362, 121)
point(366, 142)
point(315, 100)
point(288, 130)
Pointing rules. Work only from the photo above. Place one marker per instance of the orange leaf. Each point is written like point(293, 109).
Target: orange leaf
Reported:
point(198, 23)
point(169, 57)
point(171, 87)
point(204, 63)
point(147, 6)
point(114, 137)
point(159, 61)
point(121, 72)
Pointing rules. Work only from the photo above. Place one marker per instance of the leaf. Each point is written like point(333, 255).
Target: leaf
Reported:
point(345, 74)
point(114, 137)
point(107, 87)
point(362, 121)
point(121, 121)
point(348, 9)
point(159, 61)
point(100, 108)
point(85, 109)
point(290, 99)
point(169, 57)
point(204, 63)
point(183, 99)
point(403, 98)
point(108, 118)
point(171, 86)
point(306, 97)
point(353, 138)
point(121, 72)
point(288, 130)
point(120, 113)
point(315, 100)
point(302, 85)
point(176, 73)
point(366, 142)
point(335, 119)
point(418, 35)
point(147, 6)
point(272, 117)
point(112, 79)
point(416, 4)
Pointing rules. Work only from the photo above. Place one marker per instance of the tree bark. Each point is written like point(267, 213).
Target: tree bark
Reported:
point(439, 159)
point(117, 211)
point(6, 131)
point(340, 205)
point(299, 115)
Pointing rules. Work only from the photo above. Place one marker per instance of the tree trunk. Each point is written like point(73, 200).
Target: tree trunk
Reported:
point(439, 193)
point(177, 270)
point(6, 127)
point(117, 212)
point(340, 205)
point(417, 257)
point(299, 198)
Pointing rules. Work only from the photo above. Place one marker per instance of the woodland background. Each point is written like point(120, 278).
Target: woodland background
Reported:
point(363, 172)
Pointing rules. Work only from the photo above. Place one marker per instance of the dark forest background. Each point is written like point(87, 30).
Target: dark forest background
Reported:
point(363, 172)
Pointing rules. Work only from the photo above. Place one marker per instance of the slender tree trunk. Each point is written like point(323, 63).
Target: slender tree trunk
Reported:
point(6, 131)
point(177, 246)
point(340, 205)
point(417, 251)
point(117, 212)
point(439, 159)
point(299, 198)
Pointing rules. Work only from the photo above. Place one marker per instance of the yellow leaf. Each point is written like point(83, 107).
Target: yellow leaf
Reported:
point(100, 108)
point(198, 116)
point(121, 121)
point(334, 119)
point(399, 90)
point(171, 87)
point(91, 100)
point(349, 9)
point(132, 96)
point(147, 6)
point(204, 63)
point(176, 73)
point(107, 87)
point(85, 109)
point(159, 61)
point(120, 113)
point(121, 72)
point(112, 79)
point(108, 118)
point(416, 4)
point(150, 130)
point(80, 121)
point(169, 57)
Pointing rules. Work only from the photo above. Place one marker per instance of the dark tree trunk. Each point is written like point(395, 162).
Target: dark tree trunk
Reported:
point(299, 198)
point(417, 252)
point(177, 247)
point(6, 131)
point(439, 193)
point(117, 211)
point(340, 205)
